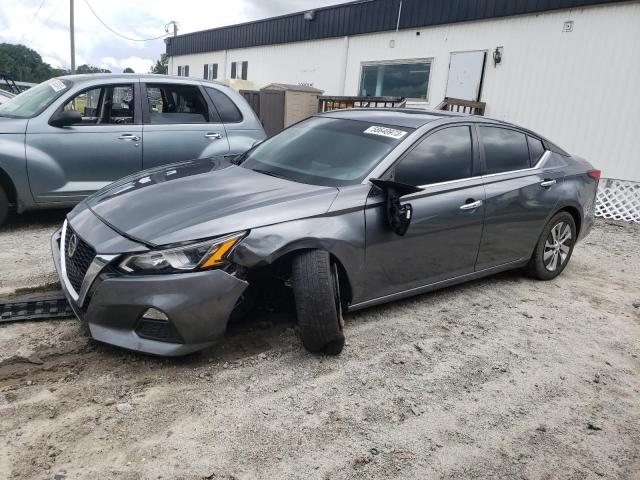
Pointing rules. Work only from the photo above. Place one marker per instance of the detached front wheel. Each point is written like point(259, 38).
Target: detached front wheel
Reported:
point(316, 289)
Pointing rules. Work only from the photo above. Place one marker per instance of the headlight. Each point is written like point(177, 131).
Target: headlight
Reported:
point(201, 255)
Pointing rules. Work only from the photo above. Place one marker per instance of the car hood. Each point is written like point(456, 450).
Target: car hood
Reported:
point(13, 125)
point(203, 198)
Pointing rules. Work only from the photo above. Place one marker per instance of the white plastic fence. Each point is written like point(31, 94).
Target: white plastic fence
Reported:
point(618, 200)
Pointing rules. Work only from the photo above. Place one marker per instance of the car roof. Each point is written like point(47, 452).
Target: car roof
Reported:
point(128, 76)
point(400, 117)
point(409, 117)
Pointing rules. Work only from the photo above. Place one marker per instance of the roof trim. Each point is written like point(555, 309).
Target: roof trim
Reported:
point(360, 17)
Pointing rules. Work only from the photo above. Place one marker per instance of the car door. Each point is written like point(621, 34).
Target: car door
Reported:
point(443, 238)
point(65, 164)
point(521, 194)
point(180, 124)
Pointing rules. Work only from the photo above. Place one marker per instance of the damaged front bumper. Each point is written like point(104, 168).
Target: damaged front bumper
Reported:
point(197, 305)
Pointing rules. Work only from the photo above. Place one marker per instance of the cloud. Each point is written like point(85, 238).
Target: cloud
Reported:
point(48, 32)
point(139, 65)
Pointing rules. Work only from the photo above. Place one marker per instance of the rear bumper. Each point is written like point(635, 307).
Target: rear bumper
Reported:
point(198, 306)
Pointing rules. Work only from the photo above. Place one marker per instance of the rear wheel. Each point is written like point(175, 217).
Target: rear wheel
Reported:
point(316, 288)
point(554, 248)
point(4, 206)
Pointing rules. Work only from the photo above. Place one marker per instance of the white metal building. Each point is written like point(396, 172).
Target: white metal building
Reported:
point(569, 69)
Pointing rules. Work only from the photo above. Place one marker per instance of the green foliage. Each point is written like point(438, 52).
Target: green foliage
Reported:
point(25, 64)
point(161, 66)
point(84, 68)
point(128, 70)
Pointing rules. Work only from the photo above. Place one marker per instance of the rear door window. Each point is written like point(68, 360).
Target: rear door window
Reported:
point(174, 103)
point(228, 111)
point(504, 150)
point(443, 156)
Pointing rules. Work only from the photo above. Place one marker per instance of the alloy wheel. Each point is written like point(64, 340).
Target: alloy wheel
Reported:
point(557, 246)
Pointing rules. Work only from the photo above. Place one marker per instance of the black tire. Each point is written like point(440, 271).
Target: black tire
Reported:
point(550, 256)
point(4, 206)
point(317, 295)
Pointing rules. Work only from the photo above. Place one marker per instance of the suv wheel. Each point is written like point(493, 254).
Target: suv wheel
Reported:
point(316, 290)
point(554, 248)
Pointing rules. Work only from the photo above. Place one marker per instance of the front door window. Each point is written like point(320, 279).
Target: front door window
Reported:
point(111, 104)
point(443, 156)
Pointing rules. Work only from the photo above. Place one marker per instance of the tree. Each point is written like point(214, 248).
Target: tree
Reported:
point(128, 70)
point(25, 64)
point(84, 68)
point(161, 66)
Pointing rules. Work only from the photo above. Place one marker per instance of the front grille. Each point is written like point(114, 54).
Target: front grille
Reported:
point(78, 264)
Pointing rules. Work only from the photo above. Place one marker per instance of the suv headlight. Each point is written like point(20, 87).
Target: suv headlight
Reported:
point(201, 255)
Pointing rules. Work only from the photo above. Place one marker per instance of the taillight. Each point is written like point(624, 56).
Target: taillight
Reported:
point(595, 174)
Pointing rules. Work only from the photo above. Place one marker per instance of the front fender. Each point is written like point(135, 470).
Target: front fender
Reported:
point(14, 165)
point(342, 235)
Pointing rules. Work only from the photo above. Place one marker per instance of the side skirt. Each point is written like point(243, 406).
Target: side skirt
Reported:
point(438, 285)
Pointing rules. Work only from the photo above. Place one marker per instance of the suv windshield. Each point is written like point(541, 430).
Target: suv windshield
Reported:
point(325, 151)
point(31, 102)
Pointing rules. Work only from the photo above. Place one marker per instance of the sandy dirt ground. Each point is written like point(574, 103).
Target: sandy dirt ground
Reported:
point(503, 377)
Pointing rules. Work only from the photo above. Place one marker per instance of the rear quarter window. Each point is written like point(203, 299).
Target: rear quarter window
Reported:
point(536, 150)
point(228, 111)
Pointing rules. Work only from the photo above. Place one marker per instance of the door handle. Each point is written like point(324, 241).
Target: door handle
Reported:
point(129, 136)
point(213, 135)
point(547, 183)
point(471, 205)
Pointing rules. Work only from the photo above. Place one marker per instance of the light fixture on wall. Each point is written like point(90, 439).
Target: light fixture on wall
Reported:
point(392, 44)
point(309, 15)
point(497, 56)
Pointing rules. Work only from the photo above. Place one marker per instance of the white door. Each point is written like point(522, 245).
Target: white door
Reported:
point(465, 75)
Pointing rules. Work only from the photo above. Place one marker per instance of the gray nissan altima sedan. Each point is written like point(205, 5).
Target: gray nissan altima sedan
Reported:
point(342, 211)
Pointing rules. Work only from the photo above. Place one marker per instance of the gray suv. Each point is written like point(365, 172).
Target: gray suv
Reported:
point(70, 136)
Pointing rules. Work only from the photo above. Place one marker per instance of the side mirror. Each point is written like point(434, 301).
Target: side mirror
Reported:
point(65, 118)
point(398, 215)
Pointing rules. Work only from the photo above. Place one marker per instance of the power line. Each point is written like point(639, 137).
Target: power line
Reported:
point(44, 24)
point(117, 33)
point(33, 19)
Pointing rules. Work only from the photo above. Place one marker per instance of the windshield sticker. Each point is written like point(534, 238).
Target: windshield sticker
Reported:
point(57, 85)
point(385, 132)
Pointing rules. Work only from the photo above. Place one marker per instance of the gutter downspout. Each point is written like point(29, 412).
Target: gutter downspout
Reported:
point(343, 79)
point(399, 14)
point(226, 68)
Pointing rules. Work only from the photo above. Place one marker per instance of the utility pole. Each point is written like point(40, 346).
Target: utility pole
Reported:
point(175, 27)
point(73, 41)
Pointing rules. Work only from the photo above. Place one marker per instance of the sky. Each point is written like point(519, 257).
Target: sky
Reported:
point(43, 25)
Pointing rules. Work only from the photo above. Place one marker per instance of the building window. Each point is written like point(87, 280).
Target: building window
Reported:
point(210, 71)
point(408, 79)
point(183, 70)
point(239, 70)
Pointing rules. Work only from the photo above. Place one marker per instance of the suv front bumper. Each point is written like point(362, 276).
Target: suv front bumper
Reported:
point(198, 306)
